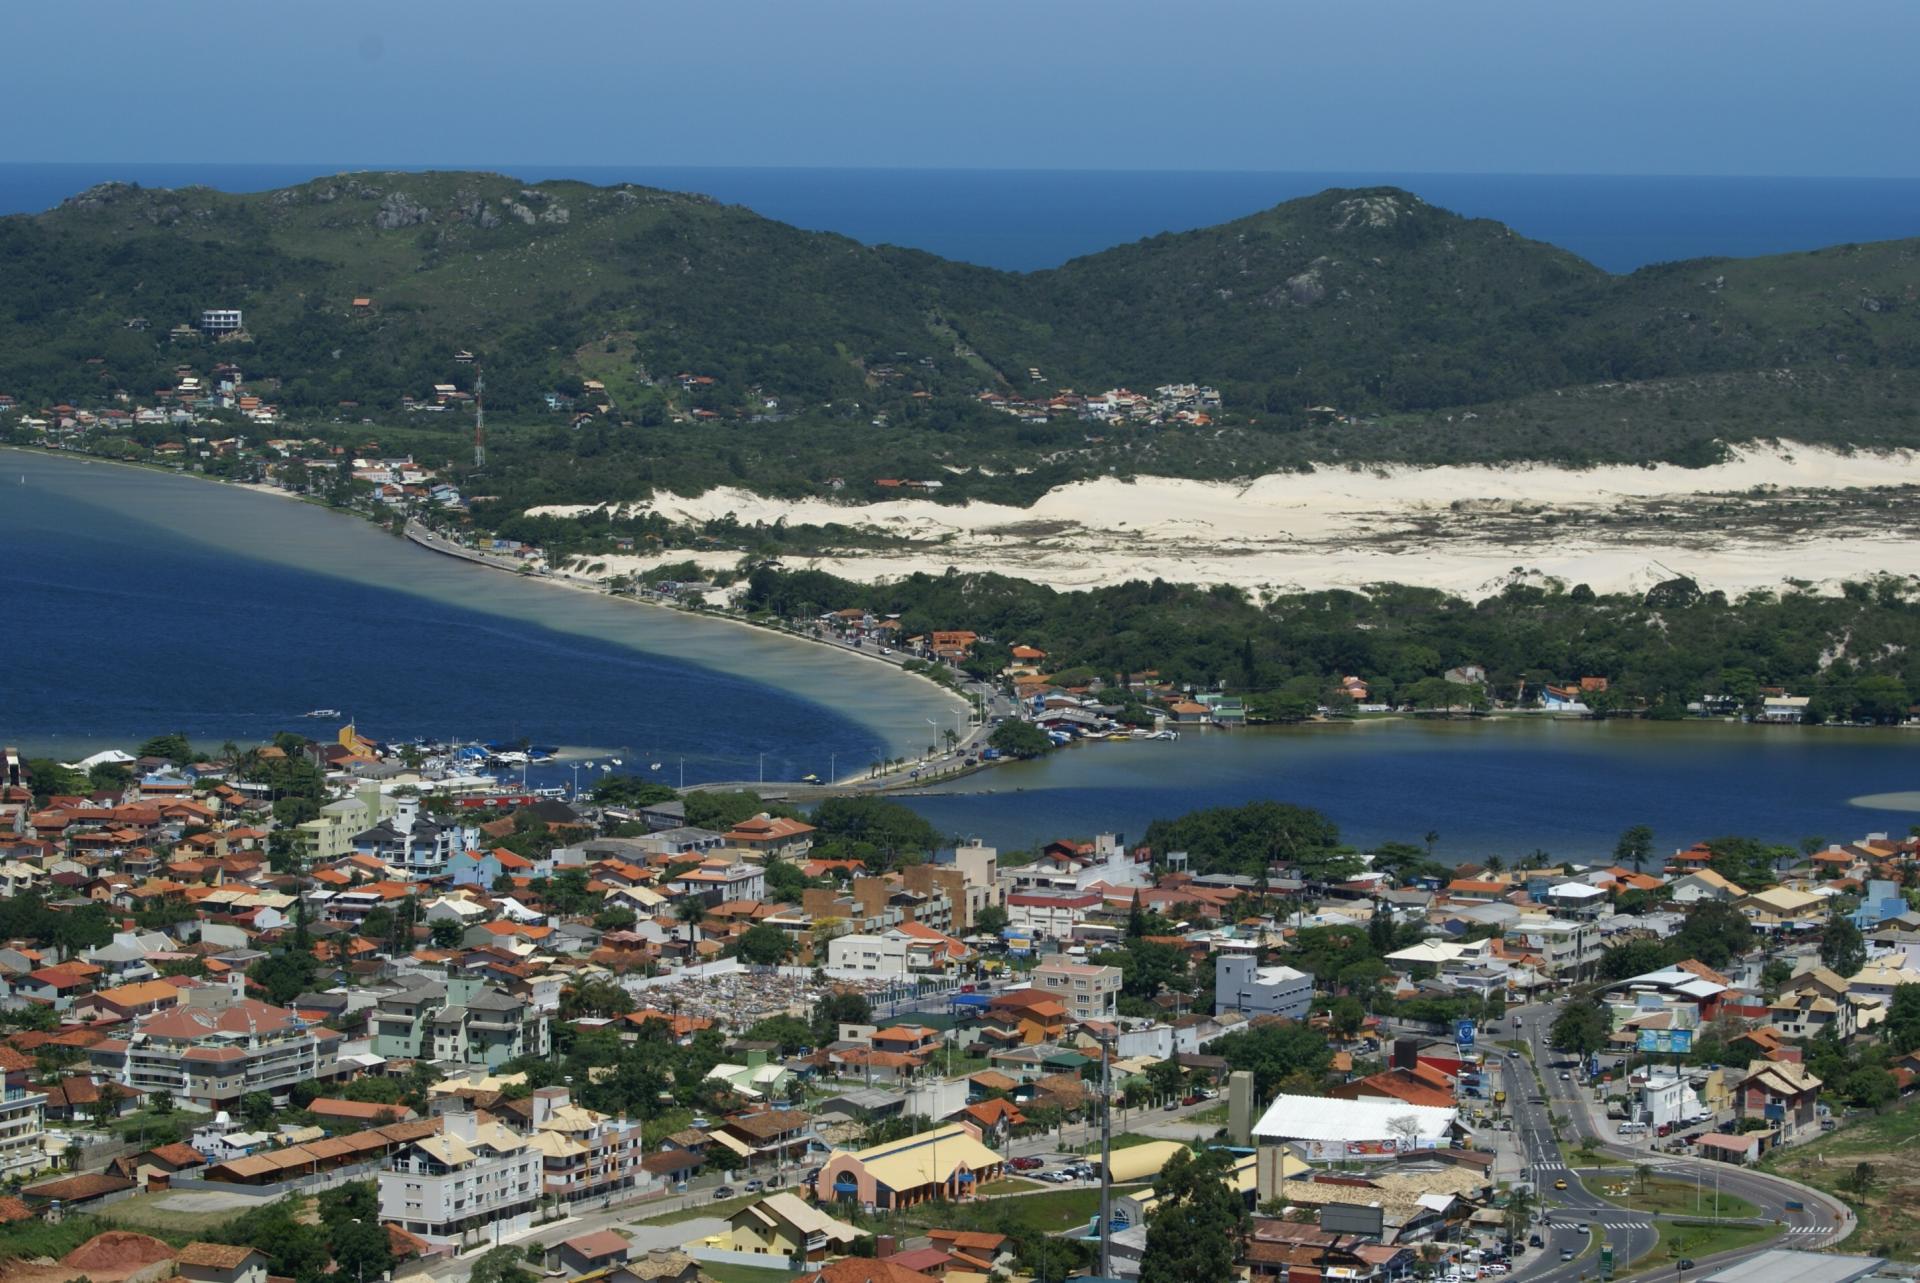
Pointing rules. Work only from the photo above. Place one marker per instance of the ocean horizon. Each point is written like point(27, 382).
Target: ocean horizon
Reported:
point(1031, 219)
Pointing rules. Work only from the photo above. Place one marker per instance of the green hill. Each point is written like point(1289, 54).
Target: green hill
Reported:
point(1371, 301)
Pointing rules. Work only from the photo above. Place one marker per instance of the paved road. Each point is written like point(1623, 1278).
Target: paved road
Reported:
point(1821, 1220)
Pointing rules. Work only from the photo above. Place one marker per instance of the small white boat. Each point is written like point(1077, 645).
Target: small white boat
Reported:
point(616, 761)
point(323, 712)
point(653, 766)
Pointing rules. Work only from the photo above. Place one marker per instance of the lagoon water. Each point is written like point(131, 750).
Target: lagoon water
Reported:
point(1502, 786)
point(134, 602)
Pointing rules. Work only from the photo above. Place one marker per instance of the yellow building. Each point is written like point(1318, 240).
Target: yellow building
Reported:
point(783, 1226)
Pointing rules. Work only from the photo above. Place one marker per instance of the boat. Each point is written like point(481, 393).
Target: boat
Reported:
point(653, 766)
point(322, 712)
point(616, 761)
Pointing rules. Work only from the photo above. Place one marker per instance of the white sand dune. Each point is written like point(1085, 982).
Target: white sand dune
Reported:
point(1464, 529)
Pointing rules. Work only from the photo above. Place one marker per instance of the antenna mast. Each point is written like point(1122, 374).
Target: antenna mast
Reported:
point(480, 417)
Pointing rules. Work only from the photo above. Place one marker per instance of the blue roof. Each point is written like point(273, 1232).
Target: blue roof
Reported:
point(968, 1000)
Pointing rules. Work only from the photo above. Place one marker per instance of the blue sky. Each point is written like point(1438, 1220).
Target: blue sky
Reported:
point(1503, 86)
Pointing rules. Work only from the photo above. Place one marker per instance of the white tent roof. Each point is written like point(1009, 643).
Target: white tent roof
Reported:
point(1318, 1118)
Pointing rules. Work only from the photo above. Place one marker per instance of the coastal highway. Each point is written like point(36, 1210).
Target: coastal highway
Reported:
point(1821, 1220)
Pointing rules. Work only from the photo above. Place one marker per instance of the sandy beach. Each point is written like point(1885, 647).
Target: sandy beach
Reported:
point(1768, 515)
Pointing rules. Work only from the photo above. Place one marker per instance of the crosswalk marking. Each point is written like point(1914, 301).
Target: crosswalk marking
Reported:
point(1807, 1229)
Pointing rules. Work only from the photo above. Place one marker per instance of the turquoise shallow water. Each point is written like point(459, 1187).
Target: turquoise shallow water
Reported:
point(138, 602)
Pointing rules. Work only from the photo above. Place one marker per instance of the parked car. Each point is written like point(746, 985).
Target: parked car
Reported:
point(725, 1191)
point(1535, 1241)
point(753, 1187)
point(1026, 1164)
point(1193, 1099)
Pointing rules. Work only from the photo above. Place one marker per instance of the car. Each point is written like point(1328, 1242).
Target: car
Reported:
point(753, 1187)
point(1565, 1077)
point(1026, 1164)
point(1566, 1254)
point(1684, 1263)
point(1794, 1205)
point(1560, 1184)
point(1584, 1228)
point(1536, 1241)
point(1194, 1099)
point(1494, 1267)
point(725, 1191)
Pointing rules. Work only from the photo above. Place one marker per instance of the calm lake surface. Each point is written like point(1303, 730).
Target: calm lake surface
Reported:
point(1503, 786)
point(136, 602)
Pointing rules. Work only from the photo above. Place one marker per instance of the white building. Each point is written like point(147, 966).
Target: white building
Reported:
point(1321, 1130)
point(469, 1183)
point(1241, 984)
point(1050, 915)
point(1665, 1097)
point(1567, 949)
point(1092, 991)
point(868, 955)
point(220, 320)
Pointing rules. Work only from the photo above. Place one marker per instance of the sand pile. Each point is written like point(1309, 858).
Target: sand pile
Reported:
point(117, 1252)
point(1469, 529)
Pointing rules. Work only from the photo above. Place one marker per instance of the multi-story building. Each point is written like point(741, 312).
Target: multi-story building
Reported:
point(462, 1021)
point(470, 1182)
point(22, 1116)
point(216, 1047)
point(583, 1154)
point(1091, 991)
point(417, 845)
point(220, 320)
point(1567, 950)
point(1051, 915)
point(1241, 984)
point(720, 877)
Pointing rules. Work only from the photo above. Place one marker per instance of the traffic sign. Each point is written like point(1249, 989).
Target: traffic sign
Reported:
point(1463, 1033)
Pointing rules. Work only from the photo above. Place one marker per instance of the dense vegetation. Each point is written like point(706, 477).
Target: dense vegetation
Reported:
point(1856, 654)
point(821, 359)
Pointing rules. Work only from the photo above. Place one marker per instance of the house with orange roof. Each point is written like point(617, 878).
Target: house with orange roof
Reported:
point(124, 1002)
point(772, 835)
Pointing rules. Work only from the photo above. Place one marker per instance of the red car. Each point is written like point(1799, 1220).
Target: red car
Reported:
point(1024, 1164)
point(1194, 1099)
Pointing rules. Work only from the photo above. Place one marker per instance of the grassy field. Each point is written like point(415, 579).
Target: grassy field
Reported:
point(727, 1272)
point(1662, 1194)
point(1883, 1145)
point(167, 1216)
point(1697, 1239)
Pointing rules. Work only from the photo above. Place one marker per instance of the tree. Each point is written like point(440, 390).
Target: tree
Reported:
point(1519, 1213)
point(1166, 1078)
point(256, 1108)
point(1347, 1015)
point(1903, 1019)
point(791, 1032)
point(446, 933)
point(692, 911)
point(501, 1265)
point(355, 1236)
point(284, 975)
point(1843, 948)
point(1862, 1179)
point(991, 920)
point(1274, 1054)
point(846, 1007)
point(764, 946)
point(160, 1102)
point(1198, 1222)
point(1019, 739)
point(1635, 847)
point(1582, 1027)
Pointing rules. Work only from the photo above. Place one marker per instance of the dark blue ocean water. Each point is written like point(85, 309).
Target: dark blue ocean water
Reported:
point(134, 603)
point(1026, 219)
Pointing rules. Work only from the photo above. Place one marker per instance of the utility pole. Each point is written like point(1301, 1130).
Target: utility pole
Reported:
point(1106, 1158)
point(480, 417)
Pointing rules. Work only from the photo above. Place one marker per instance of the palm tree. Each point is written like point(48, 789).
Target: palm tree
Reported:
point(1432, 837)
point(693, 911)
point(1495, 864)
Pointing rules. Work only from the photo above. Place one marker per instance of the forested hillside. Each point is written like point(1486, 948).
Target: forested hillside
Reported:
point(812, 358)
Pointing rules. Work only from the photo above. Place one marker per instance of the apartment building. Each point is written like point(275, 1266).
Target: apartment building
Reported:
point(1567, 950)
point(462, 1020)
point(470, 1182)
point(1241, 984)
point(414, 843)
point(1051, 915)
point(583, 1153)
point(216, 1047)
point(22, 1116)
point(1091, 991)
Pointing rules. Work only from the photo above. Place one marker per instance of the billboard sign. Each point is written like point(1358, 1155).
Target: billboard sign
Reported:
point(1353, 1218)
point(1606, 1260)
point(1676, 1042)
point(1463, 1033)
